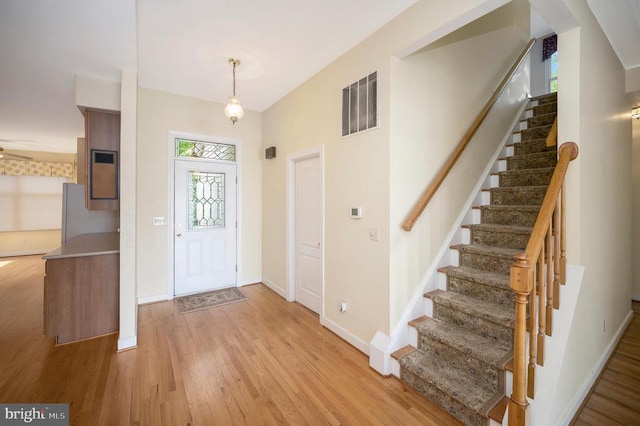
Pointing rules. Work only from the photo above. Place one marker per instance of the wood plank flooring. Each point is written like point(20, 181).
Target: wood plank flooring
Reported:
point(259, 362)
point(615, 399)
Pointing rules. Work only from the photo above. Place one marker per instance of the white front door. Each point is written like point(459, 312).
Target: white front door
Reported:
point(308, 233)
point(205, 226)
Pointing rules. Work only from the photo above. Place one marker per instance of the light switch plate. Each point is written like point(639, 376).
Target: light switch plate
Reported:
point(373, 234)
point(159, 221)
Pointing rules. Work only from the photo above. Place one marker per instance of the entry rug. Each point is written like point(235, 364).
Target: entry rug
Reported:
point(210, 299)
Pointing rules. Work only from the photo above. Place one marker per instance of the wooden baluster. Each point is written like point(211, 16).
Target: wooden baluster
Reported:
point(563, 237)
point(548, 320)
point(542, 309)
point(521, 284)
point(531, 372)
point(556, 258)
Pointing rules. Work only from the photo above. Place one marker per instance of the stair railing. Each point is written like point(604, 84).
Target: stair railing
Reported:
point(539, 269)
point(430, 191)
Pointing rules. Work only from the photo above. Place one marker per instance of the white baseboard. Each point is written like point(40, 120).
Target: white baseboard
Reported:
point(152, 299)
point(24, 252)
point(127, 343)
point(249, 282)
point(280, 292)
point(576, 403)
point(354, 341)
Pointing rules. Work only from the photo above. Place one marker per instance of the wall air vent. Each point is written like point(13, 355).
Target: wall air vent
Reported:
point(360, 105)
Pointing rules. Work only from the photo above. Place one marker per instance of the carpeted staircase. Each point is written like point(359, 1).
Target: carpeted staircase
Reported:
point(463, 348)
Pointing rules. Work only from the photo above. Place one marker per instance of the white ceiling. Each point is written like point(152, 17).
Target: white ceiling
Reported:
point(182, 47)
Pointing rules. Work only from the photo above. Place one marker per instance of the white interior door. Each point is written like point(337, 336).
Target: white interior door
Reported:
point(205, 226)
point(308, 233)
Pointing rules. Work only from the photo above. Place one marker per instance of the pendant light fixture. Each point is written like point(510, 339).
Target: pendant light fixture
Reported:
point(234, 110)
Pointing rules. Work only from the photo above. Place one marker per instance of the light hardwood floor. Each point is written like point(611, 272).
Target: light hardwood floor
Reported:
point(263, 361)
point(615, 399)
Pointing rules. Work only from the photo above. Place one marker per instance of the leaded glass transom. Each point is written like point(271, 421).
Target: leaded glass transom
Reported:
point(206, 200)
point(209, 150)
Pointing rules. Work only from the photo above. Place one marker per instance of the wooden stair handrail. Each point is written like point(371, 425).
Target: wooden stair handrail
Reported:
point(566, 153)
point(548, 230)
point(430, 191)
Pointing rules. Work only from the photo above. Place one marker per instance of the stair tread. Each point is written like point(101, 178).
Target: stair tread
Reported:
point(498, 410)
point(535, 154)
point(520, 188)
point(526, 171)
point(486, 349)
point(449, 379)
point(498, 314)
point(516, 229)
point(526, 207)
point(545, 96)
point(487, 250)
point(480, 276)
point(530, 155)
point(402, 352)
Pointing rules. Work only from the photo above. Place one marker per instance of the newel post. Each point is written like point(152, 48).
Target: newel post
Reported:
point(521, 284)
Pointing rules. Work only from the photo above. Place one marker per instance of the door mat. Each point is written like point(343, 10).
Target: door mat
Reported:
point(210, 299)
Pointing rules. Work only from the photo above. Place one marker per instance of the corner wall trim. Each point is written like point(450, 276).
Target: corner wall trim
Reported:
point(353, 340)
point(152, 299)
point(127, 343)
point(280, 292)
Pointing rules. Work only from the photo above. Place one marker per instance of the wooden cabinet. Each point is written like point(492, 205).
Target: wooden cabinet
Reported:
point(81, 288)
point(102, 162)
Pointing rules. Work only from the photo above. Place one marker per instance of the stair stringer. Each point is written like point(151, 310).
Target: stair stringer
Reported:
point(380, 355)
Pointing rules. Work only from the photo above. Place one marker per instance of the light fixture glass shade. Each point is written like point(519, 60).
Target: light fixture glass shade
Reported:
point(635, 112)
point(233, 110)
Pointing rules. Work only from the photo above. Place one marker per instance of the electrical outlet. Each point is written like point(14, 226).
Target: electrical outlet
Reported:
point(342, 306)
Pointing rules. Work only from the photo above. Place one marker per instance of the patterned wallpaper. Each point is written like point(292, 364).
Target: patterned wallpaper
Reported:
point(36, 168)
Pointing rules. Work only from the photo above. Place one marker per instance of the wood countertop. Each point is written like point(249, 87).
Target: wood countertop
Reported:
point(87, 245)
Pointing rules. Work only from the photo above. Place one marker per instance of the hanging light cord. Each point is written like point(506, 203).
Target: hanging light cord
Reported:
point(234, 77)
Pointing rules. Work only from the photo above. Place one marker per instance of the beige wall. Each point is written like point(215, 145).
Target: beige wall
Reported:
point(357, 168)
point(128, 128)
point(633, 89)
point(636, 208)
point(158, 114)
point(594, 113)
point(437, 94)
point(28, 242)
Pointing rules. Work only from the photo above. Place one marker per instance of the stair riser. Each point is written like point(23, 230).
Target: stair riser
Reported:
point(541, 120)
point(499, 296)
point(514, 240)
point(513, 216)
point(517, 197)
point(458, 410)
point(487, 263)
point(525, 178)
point(457, 359)
point(532, 161)
point(535, 133)
point(550, 99)
point(531, 147)
point(478, 325)
point(545, 108)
